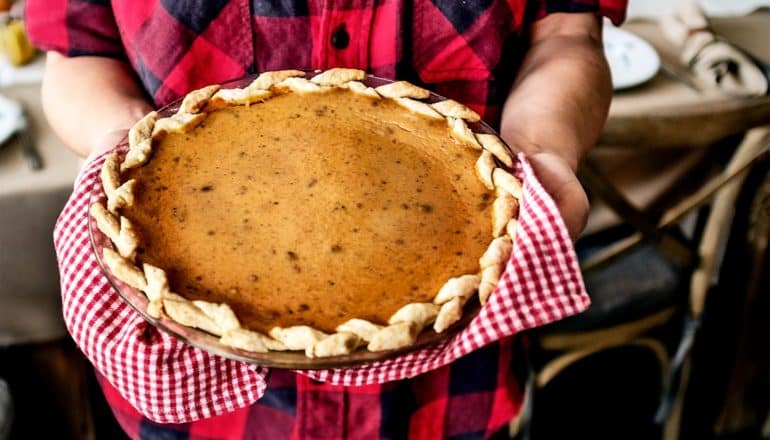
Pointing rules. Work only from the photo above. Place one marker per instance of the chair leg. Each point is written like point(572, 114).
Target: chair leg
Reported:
point(519, 427)
point(718, 223)
point(673, 422)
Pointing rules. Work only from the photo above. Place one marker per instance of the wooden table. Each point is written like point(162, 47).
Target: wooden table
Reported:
point(30, 201)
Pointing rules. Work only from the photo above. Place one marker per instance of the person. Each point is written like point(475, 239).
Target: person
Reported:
point(534, 70)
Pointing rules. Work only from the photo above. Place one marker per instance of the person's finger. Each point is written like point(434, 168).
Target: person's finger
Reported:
point(565, 189)
point(573, 205)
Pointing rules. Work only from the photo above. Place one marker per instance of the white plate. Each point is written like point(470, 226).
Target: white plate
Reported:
point(632, 60)
point(10, 118)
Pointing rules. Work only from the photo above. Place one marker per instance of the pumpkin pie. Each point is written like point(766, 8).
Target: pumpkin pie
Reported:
point(310, 211)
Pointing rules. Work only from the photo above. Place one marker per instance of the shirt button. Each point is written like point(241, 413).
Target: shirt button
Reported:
point(340, 37)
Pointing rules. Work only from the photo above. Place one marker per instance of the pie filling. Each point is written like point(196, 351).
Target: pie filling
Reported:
point(302, 211)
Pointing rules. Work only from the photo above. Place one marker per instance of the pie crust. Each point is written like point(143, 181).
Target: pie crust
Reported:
point(219, 319)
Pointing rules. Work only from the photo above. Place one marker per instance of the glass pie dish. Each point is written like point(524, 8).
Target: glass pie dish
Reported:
point(278, 359)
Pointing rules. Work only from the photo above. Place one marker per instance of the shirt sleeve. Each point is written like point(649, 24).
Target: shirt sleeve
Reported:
point(74, 27)
point(615, 10)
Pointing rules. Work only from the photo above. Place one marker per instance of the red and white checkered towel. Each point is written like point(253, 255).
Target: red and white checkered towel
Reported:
point(171, 382)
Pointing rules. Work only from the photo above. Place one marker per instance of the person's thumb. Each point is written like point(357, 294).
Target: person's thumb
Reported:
point(564, 187)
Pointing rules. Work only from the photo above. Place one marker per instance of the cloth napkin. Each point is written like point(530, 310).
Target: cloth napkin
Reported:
point(716, 63)
point(169, 381)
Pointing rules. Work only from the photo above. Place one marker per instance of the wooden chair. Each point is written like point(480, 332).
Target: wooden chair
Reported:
point(663, 115)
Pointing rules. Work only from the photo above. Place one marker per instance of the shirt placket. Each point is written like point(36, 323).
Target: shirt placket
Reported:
point(342, 30)
point(321, 410)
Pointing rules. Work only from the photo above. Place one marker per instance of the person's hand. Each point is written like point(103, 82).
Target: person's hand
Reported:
point(106, 142)
point(557, 106)
point(555, 169)
point(560, 181)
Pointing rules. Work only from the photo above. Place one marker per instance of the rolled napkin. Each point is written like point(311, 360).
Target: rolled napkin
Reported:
point(715, 62)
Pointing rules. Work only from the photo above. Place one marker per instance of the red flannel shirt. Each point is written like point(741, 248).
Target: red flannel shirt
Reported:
point(467, 50)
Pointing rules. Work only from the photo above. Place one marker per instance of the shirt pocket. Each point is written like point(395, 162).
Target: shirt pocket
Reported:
point(460, 40)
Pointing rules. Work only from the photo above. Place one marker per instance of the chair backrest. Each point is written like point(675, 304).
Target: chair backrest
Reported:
point(654, 227)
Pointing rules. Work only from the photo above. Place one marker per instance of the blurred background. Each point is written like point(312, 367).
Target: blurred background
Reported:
point(677, 341)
